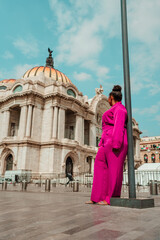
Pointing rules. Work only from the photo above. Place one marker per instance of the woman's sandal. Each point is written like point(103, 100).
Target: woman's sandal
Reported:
point(90, 202)
point(102, 203)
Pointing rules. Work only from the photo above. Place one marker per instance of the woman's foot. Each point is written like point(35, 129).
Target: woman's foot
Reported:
point(90, 202)
point(102, 203)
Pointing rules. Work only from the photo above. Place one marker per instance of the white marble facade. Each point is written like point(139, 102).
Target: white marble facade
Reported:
point(48, 126)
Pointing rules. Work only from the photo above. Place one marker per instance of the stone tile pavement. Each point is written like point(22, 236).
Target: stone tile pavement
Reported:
point(64, 216)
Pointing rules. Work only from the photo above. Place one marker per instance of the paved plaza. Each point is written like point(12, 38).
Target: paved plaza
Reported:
point(64, 216)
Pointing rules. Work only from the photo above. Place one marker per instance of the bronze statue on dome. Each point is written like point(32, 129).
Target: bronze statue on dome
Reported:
point(50, 52)
point(49, 60)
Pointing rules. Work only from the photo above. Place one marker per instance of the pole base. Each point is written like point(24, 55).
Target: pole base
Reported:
point(132, 202)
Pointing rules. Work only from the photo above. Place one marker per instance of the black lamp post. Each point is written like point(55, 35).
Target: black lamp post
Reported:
point(131, 175)
point(131, 201)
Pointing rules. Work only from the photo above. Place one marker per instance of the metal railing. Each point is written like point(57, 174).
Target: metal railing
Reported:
point(143, 178)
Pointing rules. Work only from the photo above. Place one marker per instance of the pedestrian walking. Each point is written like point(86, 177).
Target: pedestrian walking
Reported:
point(70, 178)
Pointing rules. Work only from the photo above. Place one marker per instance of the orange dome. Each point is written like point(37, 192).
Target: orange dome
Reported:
point(48, 72)
point(8, 81)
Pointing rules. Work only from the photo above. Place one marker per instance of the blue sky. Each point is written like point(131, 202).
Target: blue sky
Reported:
point(85, 36)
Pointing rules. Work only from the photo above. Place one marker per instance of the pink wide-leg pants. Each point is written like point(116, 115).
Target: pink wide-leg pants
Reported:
point(108, 172)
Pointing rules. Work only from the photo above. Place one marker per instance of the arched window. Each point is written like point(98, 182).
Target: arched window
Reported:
point(69, 166)
point(71, 93)
point(17, 89)
point(153, 158)
point(3, 87)
point(89, 161)
point(14, 121)
point(145, 158)
point(9, 162)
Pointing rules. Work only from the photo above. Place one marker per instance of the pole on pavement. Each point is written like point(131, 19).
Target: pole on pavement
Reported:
point(127, 91)
point(132, 201)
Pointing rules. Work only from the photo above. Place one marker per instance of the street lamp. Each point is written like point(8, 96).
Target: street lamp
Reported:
point(131, 175)
point(132, 201)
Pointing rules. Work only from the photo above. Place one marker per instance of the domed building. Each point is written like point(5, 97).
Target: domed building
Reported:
point(47, 125)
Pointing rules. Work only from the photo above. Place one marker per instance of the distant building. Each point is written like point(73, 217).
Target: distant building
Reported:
point(48, 126)
point(150, 149)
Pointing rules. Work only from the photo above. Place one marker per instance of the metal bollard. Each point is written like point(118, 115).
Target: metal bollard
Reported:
point(2, 185)
point(71, 184)
point(40, 182)
point(5, 185)
point(22, 186)
point(153, 187)
point(54, 184)
point(88, 184)
point(25, 185)
point(47, 185)
point(75, 186)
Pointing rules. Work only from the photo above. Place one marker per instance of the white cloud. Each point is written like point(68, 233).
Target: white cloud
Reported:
point(8, 55)
point(144, 21)
point(144, 36)
point(16, 72)
point(83, 25)
point(82, 76)
point(19, 70)
point(28, 47)
point(102, 72)
point(154, 109)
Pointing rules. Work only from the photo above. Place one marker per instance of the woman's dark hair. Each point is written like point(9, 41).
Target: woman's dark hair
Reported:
point(116, 93)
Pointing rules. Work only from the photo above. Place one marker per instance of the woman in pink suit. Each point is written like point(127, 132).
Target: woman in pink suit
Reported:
point(108, 167)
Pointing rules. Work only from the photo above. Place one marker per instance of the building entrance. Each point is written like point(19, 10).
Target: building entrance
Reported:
point(69, 166)
point(9, 162)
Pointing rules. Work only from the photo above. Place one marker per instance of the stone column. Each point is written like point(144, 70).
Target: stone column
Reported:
point(55, 118)
point(79, 132)
point(6, 122)
point(82, 131)
point(22, 124)
point(29, 121)
point(61, 123)
point(92, 135)
point(92, 165)
point(137, 148)
point(1, 121)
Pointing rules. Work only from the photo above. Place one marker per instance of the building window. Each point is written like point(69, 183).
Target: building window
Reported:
point(3, 87)
point(89, 161)
point(153, 158)
point(71, 93)
point(13, 129)
point(69, 166)
point(70, 124)
point(86, 132)
point(145, 158)
point(9, 162)
point(71, 132)
point(18, 89)
point(14, 121)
